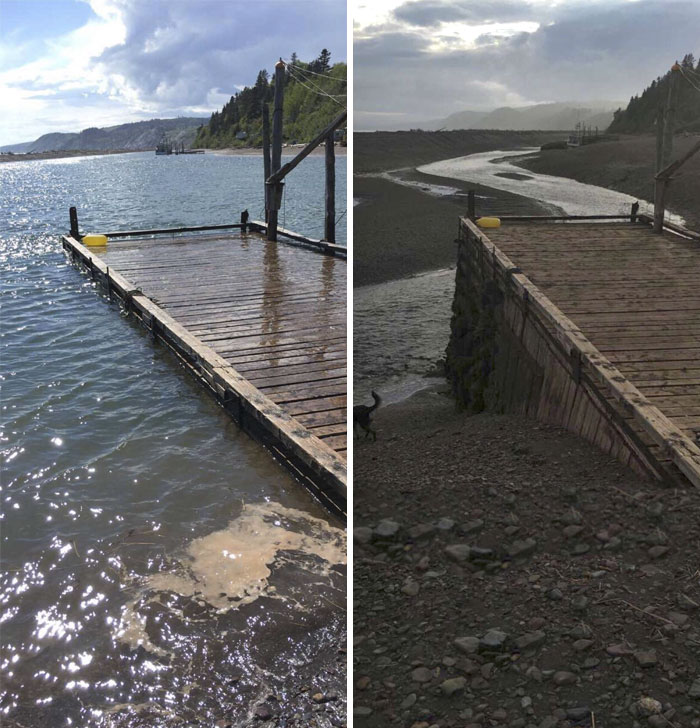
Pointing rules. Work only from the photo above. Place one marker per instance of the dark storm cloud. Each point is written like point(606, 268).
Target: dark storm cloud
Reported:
point(175, 53)
point(430, 13)
point(589, 52)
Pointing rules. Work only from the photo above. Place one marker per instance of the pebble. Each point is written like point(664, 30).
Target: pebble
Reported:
point(445, 524)
point(458, 552)
point(363, 683)
point(577, 714)
point(562, 677)
point(421, 531)
point(581, 645)
point(522, 547)
point(645, 658)
point(387, 528)
point(618, 650)
point(694, 691)
point(469, 645)
point(472, 526)
point(421, 675)
point(408, 701)
point(572, 531)
point(648, 706)
point(411, 588)
point(530, 640)
point(453, 685)
point(494, 639)
point(362, 534)
point(361, 711)
point(656, 552)
point(263, 712)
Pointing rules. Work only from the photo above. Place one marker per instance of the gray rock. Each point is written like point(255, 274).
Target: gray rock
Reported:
point(572, 531)
point(530, 640)
point(694, 691)
point(618, 650)
point(445, 524)
point(645, 658)
point(581, 645)
point(572, 517)
point(362, 534)
point(468, 645)
point(421, 530)
point(411, 588)
point(562, 677)
point(421, 675)
point(458, 552)
point(656, 552)
point(521, 548)
point(387, 528)
point(453, 685)
point(472, 526)
point(361, 711)
point(408, 701)
point(577, 714)
point(494, 639)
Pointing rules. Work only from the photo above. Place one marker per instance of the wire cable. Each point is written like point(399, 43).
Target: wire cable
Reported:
point(319, 92)
point(308, 70)
point(687, 78)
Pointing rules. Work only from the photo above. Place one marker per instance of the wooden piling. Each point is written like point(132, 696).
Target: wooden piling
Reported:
point(330, 188)
point(273, 190)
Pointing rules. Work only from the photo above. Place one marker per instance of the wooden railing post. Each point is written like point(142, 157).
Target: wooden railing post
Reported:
point(635, 210)
point(471, 205)
point(74, 233)
point(266, 148)
point(273, 190)
point(330, 188)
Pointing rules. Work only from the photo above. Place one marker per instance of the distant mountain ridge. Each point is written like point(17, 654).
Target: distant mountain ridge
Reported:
point(559, 116)
point(138, 135)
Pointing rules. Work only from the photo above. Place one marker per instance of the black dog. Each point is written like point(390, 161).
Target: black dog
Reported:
point(362, 414)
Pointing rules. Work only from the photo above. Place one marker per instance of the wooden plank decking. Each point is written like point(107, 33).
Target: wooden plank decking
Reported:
point(268, 316)
point(633, 298)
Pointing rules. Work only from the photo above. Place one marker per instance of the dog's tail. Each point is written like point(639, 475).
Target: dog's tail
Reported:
point(377, 401)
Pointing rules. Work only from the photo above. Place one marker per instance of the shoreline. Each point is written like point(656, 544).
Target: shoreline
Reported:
point(65, 154)
point(340, 151)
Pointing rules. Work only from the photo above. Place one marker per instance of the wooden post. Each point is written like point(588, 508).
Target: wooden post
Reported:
point(330, 188)
point(471, 205)
point(661, 183)
point(670, 115)
point(273, 191)
point(635, 210)
point(74, 224)
point(266, 147)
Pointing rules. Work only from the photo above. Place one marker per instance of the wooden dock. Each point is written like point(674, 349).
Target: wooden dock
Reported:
point(591, 326)
point(261, 323)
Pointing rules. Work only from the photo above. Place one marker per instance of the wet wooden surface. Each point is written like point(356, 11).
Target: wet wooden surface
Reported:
point(635, 296)
point(276, 313)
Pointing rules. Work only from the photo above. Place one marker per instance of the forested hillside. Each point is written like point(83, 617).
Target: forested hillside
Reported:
point(314, 94)
point(640, 114)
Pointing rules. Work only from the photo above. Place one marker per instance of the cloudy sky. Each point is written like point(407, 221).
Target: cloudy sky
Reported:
point(69, 64)
point(417, 60)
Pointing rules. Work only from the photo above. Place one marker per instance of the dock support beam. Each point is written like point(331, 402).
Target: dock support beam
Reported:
point(273, 190)
point(330, 188)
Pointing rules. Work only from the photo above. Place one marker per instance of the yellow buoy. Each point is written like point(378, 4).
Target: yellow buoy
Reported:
point(94, 241)
point(488, 222)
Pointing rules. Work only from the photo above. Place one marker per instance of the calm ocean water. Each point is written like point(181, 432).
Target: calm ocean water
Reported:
point(157, 566)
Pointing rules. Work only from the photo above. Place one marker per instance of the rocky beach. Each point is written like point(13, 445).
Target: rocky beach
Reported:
point(508, 573)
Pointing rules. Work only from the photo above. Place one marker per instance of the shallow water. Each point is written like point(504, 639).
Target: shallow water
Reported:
point(496, 169)
point(117, 467)
point(401, 331)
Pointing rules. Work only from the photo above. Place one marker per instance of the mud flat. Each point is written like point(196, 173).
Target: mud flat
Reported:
point(508, 573)
point(627, 165)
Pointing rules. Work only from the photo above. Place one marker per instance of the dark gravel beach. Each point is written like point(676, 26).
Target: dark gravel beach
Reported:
point(508, 573)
